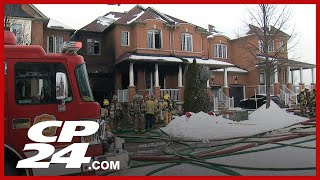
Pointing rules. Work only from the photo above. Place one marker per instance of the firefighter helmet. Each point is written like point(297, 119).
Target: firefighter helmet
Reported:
point(166, 97)
point(105, 102)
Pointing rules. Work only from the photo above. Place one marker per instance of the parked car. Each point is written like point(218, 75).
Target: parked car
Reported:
point(250, 103)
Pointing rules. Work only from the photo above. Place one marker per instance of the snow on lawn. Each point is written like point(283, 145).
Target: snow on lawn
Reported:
point(202, 126)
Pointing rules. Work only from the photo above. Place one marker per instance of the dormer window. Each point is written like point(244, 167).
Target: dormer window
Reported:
point(220, 51)
point(282, 47)
point(154, 39)
point(270, 46)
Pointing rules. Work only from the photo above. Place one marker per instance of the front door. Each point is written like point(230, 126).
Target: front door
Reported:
point(236, 91)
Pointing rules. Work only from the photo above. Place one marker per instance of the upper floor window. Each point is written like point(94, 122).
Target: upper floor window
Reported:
point(220, 51)
point(54, 43)
point(93, 46)
point(124, 38)
point(154, 39)
point(282, 47)
point(17, 31)
point(270, 46)
point(186, 42)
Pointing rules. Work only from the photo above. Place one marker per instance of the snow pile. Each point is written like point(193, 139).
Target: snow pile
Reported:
point(201, 126)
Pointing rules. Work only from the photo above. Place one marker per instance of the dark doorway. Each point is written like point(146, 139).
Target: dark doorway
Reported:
point(236, 91)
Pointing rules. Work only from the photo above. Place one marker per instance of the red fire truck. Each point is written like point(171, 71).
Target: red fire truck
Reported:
point(47, 87)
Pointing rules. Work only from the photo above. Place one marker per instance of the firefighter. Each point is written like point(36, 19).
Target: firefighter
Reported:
point(312, 103)
point(167, 109)
point(151, 106)
point(157, 113)
point(115, 113)
point(303, 102)
point(105, 114)
point(137, 111)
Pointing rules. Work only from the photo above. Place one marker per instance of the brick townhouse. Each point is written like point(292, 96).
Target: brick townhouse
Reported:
point(145, 51)
point(32, 27)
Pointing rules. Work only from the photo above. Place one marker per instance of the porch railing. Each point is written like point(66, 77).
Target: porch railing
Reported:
point(227, 101)
point(146, 91)
point(215, 103)
point(174, 93)
point(262, 89)
point(123, 95)
point(293, 97)
point(284, 96)
point(296, 88)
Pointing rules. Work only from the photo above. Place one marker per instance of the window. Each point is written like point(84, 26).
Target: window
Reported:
point(93, 47)
point(220, 51)
point(35, 83)
point(282, 47)
point(271, 46)
point(154, 39)
point(83, 83)
point(186, 42)
point(17, 31)
point(262, 78)
point(124, 38)
point(54, 44)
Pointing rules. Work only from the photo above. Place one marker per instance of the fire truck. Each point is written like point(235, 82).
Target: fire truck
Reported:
point(38, 87)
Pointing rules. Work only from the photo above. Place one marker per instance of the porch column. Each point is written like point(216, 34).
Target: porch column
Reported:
point(131, 88)
point(225, 82)
point(131, 75)
point(301, 79)
point(289, 78)
point(276, 85)
point(156, 82)
point(180, 85)
point(313, 83)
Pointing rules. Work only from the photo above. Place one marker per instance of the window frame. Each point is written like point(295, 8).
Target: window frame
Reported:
point(92, 45)
point(122, 38)
point(54, 45)
point(282, 47)
point(184, 42)
point(269, 46)
point(223, 48)
point(153, 31)
point(70, 91)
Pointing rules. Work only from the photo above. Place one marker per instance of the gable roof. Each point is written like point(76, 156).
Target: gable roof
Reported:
point(15, 10)
point(23, 11)
point(271, 30)
point(53, 24)
point(103, 22)
point(136, 14)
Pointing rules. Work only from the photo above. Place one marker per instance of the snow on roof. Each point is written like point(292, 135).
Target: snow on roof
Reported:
point(202, 126)
point(232, 69)
point(135, 17)
point(57, 25)
point(209, 62)
point(140, 57)
point(176, 59)
point(112, 16)
point(105, 21)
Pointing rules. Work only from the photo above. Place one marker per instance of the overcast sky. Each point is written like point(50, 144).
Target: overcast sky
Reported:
point(226, 18)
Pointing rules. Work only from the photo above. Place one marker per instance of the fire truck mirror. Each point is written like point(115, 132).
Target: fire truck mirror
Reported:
point(61, 86)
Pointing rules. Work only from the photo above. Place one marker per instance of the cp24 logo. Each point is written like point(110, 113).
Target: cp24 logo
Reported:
point(77, 151)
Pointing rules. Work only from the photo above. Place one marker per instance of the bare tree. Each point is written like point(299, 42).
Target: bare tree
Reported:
point(268, 50)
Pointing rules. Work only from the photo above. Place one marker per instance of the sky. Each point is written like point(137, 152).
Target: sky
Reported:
point(227, 18)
